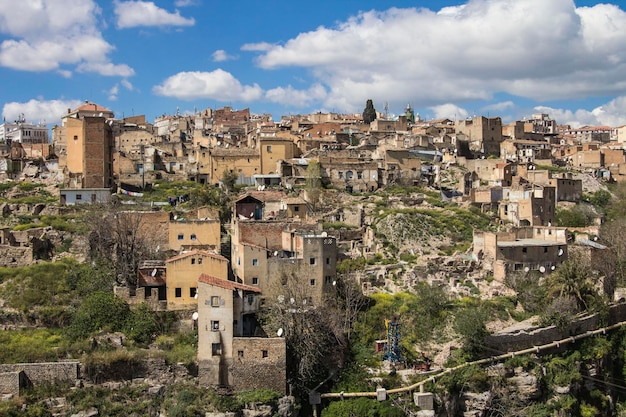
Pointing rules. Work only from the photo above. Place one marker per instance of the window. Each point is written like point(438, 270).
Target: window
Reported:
point(524, 250)
point(268, 148)
point(240, 353)
point(216, 349)
point(193, 261)
point(296, 208)
point(215, 325)
point(264, 353)
point(313, 281)
point(79, 196)
point(193, 236)
point(255, 262)
point(311, 261)
point(328, 279)
point(178, 292)
point(327, 261)
point(255, 281)
point(193, 291)
point(75, 137)
point(199, 261)
point(181, 236)
point(215, 301)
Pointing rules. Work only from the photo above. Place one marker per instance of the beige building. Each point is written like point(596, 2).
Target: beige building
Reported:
point(182, 276)
point(194, 233)
point(528, 205)
point(521, 250)
point(245, 162)
point(273, 150)
point(229, 354)
point(484, 134)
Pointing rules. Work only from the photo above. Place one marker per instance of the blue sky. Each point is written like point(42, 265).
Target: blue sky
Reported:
point(454, 59)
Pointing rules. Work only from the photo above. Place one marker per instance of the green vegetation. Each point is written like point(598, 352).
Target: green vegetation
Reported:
point(362, 407)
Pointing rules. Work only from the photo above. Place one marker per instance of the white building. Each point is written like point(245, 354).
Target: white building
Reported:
point(22, 132)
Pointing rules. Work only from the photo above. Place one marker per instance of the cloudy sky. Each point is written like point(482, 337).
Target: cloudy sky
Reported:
point(508, 58)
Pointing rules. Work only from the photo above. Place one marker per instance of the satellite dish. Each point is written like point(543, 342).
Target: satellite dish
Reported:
point(292, 300)
point(154, 272)
point(542, 269)
point(560, 252)
point(526, 269)
point(195, 296)
point(334, 283)
point(275, 253)
point(553, 267)
point(194, 316)
point(280, 332)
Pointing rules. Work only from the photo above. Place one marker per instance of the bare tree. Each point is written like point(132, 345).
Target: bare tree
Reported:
point(315, 341)
point(125, 238)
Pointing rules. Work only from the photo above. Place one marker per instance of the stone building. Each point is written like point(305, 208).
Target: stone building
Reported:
point(521, 250)
point(484, 134)
point(229, 354)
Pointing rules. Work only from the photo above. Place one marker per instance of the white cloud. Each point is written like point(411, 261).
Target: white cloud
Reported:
point(289, 96)
point(127, 85)
point(538, 49)
point(258, 47)
point(449, 111)
point(499, 107)
point(48, 35)
point(221, 55)
point(218, 85)
point(612, 113)
point(145, 13)
point(39, 110)
point(186, 3)
point(113, 92)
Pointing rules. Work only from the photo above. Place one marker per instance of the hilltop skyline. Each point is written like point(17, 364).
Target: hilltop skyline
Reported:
point(507, 58)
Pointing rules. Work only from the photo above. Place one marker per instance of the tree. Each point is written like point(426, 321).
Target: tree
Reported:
point(313, 182)
point(315, 341)
point(369, 114)
point(470, 324)
point(124, 238)
point(573, 278)
point(229, 179)
point(142, 324)
point(611, 262)
point(99, 311)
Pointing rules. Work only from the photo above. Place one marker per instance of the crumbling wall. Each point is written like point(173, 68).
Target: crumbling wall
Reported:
point(45, 372)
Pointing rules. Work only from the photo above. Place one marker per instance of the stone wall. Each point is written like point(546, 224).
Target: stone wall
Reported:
point(12, 382)
point(259, 363)
point(45, 372)
point(524, 339)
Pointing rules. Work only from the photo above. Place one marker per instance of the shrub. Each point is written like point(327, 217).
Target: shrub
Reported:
point(99, 311)
point(142, 326)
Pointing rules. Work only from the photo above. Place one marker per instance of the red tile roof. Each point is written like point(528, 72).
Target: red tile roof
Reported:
point(228, 285)
point(89, 106)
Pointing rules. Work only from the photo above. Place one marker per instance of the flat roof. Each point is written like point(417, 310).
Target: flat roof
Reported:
point(529, 242)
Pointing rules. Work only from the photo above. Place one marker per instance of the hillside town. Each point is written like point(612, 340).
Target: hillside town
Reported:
point(304, 201)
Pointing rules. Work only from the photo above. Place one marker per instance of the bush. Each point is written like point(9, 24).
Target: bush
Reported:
point(99, 311)
point(142, 326)
point(361, 407)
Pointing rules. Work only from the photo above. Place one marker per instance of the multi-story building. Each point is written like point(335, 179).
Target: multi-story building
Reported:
point(87, 154)
point(521, 250)
point(182, 276)
point(230, 352)
point(484, 134)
